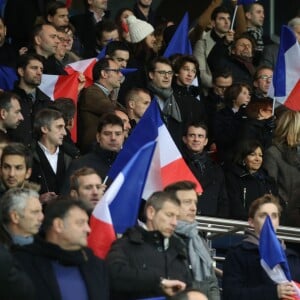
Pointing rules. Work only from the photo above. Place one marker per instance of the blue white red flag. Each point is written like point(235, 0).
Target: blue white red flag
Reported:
point(286, 78)
point(271, 252)
point(273, 258)
point(180, 42)
point(118, 208)
point(167, 165)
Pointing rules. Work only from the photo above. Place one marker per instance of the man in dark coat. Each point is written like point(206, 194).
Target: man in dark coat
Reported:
point(110, 139)
point(176, 110)
point(32, 99)
point(148, 261)
point(213, 201)
point(243, 277)
point(60, 265)
point(85, 25)
point(239, 59)
point(50, 162)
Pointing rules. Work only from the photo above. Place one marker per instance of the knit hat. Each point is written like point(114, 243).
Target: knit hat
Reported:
point(138, 29)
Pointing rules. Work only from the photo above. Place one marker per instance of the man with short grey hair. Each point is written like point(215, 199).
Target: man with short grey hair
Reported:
point(22, 215)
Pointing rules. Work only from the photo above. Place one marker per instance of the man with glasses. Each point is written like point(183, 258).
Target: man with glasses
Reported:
point(176, 110)
point(262, 80)
point(95, 100)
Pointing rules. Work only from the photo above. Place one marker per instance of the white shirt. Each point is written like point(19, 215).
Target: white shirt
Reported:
point(52, 157)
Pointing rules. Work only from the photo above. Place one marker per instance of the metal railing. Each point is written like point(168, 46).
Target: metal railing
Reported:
point(215, 227)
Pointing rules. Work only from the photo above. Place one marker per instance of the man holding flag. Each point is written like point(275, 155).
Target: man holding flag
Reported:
point(244, 277)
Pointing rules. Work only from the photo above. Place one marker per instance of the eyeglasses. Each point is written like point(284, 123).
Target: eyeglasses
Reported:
point(164, 73)
point(265, 77)
point(114, 70)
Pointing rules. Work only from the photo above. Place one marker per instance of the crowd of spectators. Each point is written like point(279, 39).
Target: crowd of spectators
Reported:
point(239, 143)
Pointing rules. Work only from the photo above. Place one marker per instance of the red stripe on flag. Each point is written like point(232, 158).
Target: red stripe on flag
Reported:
point(293, 100)
point(67, 87)
point(101, 242)
point(177, 170)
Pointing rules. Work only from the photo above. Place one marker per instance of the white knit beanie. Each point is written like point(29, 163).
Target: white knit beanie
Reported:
point(138, 29)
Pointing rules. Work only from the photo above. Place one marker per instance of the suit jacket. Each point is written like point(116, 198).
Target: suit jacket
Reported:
point(43, 174)
point(92, 104)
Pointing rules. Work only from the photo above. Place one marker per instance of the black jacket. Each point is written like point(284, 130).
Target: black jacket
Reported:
point(259, 130)
point(99, 159)
point(37, 258)
point(190, 110)
point(226, 131)
point(138, 260)
point(213, 201)
point(219, 57)
point(243, 188)
point(24, 132)
point(43, 174)
point(14, 282)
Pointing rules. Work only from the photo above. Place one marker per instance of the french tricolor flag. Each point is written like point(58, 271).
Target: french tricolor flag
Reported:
point(119, 206)
point(286, 78)
point(167, 165)
point(147, 163)
point(273, 258)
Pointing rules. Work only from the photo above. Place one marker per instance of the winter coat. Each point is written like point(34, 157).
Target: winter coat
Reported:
point(139, 260)
point(213, 201)
point(243, 188)
point(24, 132)
point(14, 282)
point(37, 259)
point(283, 164)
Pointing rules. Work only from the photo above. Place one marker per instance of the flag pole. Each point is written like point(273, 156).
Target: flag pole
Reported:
point(233, 17)
point(273, 106)
point(105, 179)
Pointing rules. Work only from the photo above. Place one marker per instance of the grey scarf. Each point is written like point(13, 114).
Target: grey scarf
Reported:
point(170, 108)
point(202, 264)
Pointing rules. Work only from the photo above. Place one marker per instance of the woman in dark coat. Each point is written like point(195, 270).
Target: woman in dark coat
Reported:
point(246, 180)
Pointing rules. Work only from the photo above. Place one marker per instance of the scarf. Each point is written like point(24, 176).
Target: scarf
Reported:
point(202, 264)
point(170, 108)
point(22, 240)
point(247, 62)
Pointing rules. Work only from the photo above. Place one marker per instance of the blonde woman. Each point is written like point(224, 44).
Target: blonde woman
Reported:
point(282, 161)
